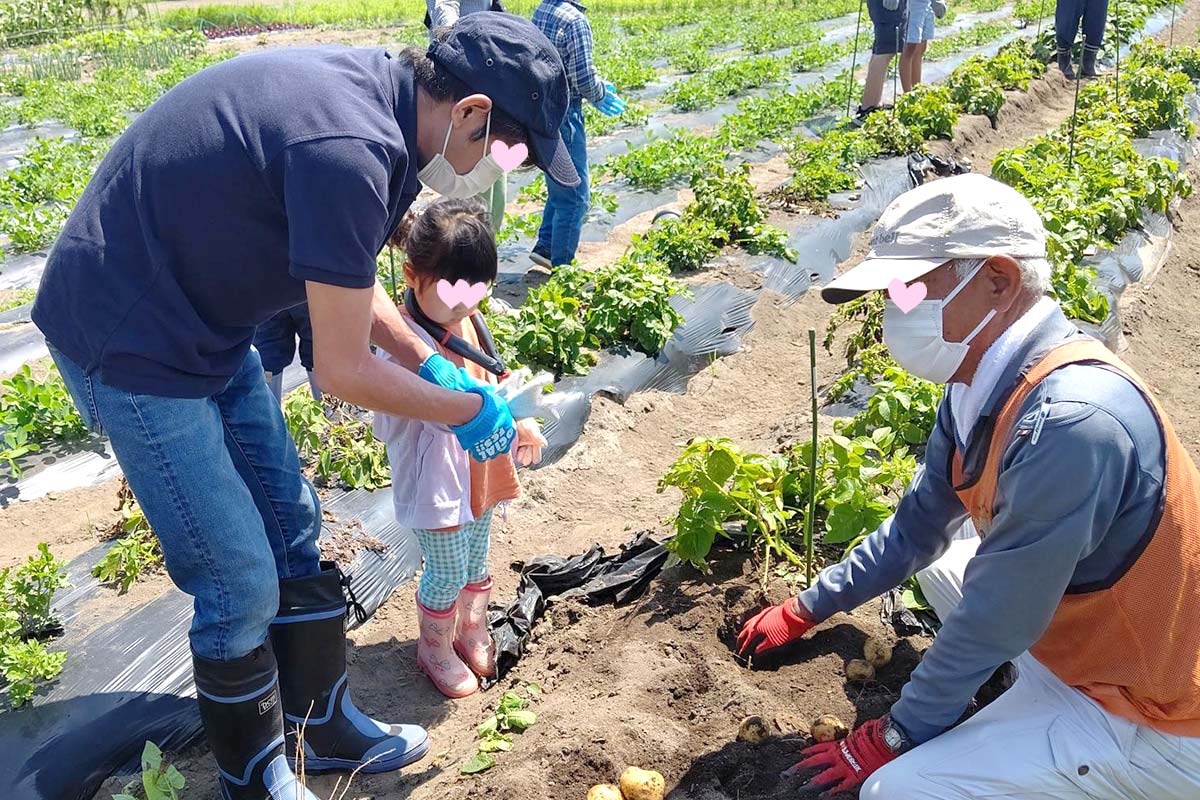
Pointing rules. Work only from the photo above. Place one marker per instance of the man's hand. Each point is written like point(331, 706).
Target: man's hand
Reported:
point(610, 105)
point(848, 762)
point(772, 627)
point(490, 434)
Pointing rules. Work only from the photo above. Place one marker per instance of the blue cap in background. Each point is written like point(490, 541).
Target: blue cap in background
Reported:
point(507, 58)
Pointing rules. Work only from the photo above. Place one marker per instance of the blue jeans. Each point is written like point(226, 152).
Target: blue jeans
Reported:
point(566, 207)
point(1067, 14)
point(219, 481)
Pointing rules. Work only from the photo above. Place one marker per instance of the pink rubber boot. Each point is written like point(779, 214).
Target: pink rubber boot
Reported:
point(472, 639)
point(436, 656)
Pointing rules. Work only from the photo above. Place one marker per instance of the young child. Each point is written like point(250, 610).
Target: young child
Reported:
point(438, 490)
point(568, 29)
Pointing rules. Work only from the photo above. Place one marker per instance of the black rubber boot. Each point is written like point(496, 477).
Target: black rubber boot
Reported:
point(239, 704)
point(309, 639)
point(1088, 63)
point(1064, 63)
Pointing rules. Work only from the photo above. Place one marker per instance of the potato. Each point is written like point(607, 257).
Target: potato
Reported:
point(753, 730)
point(641, 784)
point(827, 728)
point(604, 791)
point(859, 671)
point(878, 652)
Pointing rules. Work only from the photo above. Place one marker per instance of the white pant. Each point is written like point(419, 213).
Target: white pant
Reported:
point(1041, 740)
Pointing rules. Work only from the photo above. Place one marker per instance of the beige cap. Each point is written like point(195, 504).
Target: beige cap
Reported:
point(966, 216)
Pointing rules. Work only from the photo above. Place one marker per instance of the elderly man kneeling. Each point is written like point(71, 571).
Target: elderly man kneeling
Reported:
point(1086, 570)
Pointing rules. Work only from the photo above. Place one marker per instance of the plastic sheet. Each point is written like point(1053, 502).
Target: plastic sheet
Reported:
point(130, 680)
point(593, 576)
point(825, 243)
point(715, 321)
point(1143, 251)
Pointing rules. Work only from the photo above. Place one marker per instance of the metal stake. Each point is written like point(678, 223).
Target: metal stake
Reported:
point(812, 467)
point(853, 59)
point(1075, 112)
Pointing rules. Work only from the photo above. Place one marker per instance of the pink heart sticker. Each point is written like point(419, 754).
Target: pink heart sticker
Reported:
point(461, 293)
point(906, 298)
point(509, 158)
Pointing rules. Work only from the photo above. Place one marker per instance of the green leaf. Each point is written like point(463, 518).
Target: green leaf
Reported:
point(521, 721)
point(480, 762)
point(487, 727)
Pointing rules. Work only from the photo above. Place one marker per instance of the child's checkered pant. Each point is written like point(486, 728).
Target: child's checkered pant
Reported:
point(452, 560)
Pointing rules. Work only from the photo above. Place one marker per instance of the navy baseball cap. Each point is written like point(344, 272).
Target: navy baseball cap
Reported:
point(507, 58)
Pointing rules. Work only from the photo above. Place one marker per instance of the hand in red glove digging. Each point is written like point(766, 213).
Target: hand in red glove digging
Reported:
point(772, 627)
point(849, 762)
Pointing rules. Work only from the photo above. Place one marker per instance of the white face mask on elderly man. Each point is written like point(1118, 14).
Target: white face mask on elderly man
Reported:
point(440, 176)
point(915, 339)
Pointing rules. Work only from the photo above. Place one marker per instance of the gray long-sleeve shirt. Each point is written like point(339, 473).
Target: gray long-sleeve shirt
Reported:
point(1070, 512)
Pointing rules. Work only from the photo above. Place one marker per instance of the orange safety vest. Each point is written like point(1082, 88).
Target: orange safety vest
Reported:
point(1134, 646)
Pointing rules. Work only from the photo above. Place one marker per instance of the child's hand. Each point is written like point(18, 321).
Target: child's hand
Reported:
point(529, 442)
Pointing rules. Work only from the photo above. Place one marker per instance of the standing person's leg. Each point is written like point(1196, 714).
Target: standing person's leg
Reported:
point(914, 36)
point(275, 341)
point(473, 638)
point(308, 631)
point(886, 45)
point(545, 237)
point(1066, 26)
point(1095, 17)
point(173, 453)
point(573, 202)
point(442, 580)
point(495, 200)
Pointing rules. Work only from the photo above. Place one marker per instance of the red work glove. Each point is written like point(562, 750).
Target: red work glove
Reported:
point(848, 762)
point(770, 628)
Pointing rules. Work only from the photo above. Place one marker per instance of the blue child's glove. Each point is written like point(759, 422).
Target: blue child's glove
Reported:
point(440, 371)
point(491, 432)
point(610, 105)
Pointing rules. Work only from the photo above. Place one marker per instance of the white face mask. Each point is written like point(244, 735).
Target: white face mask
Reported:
point(440, 176)
point(915, 339)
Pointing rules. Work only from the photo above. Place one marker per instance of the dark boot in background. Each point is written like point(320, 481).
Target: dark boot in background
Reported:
point(1064, 63)
point(1088, 64)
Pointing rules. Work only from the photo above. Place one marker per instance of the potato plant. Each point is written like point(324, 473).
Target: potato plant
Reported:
point(157, 781)
point(722, 486)
point(929, 111)
point(27, 621)
point(35, 412)
point(135, 552)
point(335, 443)
point(495, 734)
point(630, 302)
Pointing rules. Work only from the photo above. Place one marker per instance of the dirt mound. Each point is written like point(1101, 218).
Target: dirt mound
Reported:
point(656, 685)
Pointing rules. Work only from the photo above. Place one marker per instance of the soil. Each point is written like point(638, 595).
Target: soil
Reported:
point(655, 684)
point(70, 522)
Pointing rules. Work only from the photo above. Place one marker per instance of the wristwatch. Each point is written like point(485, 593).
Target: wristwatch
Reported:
point(894, 736)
